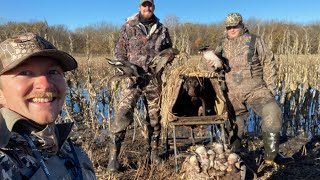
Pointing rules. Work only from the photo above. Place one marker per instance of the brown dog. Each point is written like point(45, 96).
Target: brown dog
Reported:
point(194, 87)
point(196, 97)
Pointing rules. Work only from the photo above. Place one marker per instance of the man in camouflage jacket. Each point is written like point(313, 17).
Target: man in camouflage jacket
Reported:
point(250, 81)
point(142, 37)
point(32, 93)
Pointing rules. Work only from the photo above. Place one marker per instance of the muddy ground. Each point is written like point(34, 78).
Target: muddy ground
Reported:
point(134, 157)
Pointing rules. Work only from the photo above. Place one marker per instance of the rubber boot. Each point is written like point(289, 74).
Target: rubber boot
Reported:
point(114, 146)
point(237, 132)
point(271, 143)
point(235, 145)
point(154, 154)
point(271, 146)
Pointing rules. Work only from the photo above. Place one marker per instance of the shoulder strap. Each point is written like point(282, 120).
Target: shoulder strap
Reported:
point(251, 48)
point(221, 45)
point(37, 155)
point(79, 174)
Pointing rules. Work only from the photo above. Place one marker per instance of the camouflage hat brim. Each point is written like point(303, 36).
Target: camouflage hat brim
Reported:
point(66, 61)
point(232, 24)
point(17, 49)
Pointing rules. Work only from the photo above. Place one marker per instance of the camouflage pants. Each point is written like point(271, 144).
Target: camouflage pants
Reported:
point(262, 103)
point(129, 96)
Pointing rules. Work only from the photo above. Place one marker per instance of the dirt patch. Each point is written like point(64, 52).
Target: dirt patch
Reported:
point(136, 165)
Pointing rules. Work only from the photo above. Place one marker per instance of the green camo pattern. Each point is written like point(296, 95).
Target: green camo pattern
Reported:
point(233, 19)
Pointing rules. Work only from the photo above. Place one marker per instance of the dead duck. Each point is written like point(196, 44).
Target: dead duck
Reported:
point(162, 58)
point(126, 68)
point(209, 55)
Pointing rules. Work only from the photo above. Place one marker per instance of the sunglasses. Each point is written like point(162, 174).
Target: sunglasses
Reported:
point(233, 27)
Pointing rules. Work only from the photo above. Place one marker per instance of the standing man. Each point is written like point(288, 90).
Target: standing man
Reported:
point(250, 81)
point(142, 37)
point(32, 93)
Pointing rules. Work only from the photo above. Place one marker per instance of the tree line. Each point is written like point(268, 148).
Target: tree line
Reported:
point(100, 39)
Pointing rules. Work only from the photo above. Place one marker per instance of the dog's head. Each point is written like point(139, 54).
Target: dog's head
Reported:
point(193, 86)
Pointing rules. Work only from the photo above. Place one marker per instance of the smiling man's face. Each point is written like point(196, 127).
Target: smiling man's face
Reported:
point(35, 89)
point(146, 10)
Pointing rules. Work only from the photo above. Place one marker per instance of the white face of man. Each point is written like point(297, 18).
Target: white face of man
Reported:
point(35, 89)
point(146, 9)
point(234, 31)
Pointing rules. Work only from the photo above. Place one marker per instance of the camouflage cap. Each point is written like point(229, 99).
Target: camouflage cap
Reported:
point(17, 49)
point(143, 1)
point(233, 19)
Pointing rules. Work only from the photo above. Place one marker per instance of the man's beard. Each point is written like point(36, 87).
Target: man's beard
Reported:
point(147, 15)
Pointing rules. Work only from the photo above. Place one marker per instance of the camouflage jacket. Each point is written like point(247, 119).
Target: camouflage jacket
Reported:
point(17, 160)
point(261, 71)
point(138, 46)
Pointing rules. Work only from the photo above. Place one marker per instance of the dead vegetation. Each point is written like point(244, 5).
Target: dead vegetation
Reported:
point(89, 104)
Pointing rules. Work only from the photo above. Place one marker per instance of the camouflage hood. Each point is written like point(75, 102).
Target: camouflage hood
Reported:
point(51, 137)
point(133, 20)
